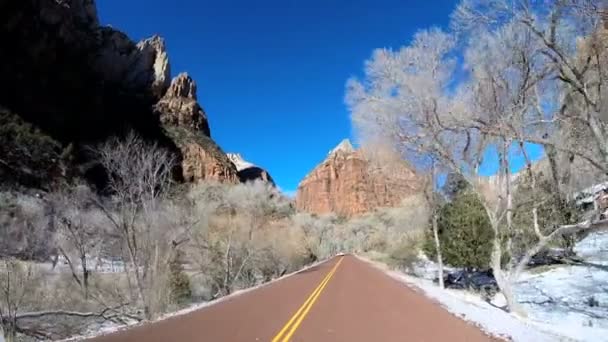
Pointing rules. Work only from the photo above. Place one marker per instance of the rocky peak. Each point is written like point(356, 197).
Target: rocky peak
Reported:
point(182, 86)
point(179, 107)
point(142, 67)
point(238, 161)
point(247, 171)
point(153, 65)
point(346, 183)
point(344, 147)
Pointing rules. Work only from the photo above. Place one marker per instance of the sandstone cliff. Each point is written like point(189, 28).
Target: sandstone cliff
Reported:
point(185, 122)
point(71, 81)
point(346, 183)
point(247, 171)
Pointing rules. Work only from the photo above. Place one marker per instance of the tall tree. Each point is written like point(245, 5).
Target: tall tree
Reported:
point(516, 71)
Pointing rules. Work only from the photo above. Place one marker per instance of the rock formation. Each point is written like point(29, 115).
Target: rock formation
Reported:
point(78, 83)
point(186, 123)
point(247, 171)
point(348, 184)
point(179, 106)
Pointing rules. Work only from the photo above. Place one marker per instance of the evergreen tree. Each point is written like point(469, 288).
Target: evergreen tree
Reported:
point(464, 232)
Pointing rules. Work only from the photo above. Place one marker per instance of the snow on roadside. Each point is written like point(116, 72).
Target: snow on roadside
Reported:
point(573, 299)
point(594, 248)
point(475, 310)
point(110, 328)
point(566, 300)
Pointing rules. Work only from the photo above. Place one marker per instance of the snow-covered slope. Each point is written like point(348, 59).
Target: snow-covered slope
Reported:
point(570, 301)
point(572, 298)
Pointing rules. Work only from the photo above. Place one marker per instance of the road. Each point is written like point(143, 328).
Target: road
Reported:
point(343, 299)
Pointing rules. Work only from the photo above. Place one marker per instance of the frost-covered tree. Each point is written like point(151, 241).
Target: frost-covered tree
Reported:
point(521, 76)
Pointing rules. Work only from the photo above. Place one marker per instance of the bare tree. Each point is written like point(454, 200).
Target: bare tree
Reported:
point(565, 52)
point(138, 177)
point(15, 285)
point(23, 290)
point(408, 97)
point(79, 235)
point(230, 219)
point(431, 197)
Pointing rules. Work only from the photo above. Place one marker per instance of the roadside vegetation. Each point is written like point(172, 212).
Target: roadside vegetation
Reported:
point(76, 259)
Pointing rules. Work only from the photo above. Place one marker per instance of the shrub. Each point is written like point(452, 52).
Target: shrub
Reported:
point(403, 254)
point(465, 233)
point(179, 283)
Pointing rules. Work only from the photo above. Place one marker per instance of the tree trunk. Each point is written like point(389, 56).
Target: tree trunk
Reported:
point(9, 330)
point(139, 281)
point(503, 280)
point(85, 275)
point(438, 251)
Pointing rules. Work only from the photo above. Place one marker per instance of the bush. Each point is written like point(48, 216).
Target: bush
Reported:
point(179, 283)
point(465, 233)
point(404, 254)
point(29, 156)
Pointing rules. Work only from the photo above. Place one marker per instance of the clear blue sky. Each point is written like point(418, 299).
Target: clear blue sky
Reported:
point(271, 74)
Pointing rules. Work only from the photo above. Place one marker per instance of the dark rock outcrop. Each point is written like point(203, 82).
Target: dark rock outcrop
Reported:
point(78, 83)
point(247, 171)
point(345, 183)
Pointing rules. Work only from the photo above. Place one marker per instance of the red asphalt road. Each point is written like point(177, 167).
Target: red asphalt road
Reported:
point(357, 303)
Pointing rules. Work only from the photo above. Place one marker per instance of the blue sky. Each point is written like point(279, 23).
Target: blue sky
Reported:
point(271, 74)
point(517, 161)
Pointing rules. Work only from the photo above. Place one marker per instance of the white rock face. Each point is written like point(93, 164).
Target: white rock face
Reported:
point(344, 146)
point(239, 162)
point(144, 65)
point(153, 57)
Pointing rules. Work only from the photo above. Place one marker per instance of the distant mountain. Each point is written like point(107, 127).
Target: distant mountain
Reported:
point(247, 171)
point(348, 183)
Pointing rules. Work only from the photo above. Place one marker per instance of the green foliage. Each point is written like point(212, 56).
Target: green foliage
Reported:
point(454, 185)
point(28, 155)
point(465, 233)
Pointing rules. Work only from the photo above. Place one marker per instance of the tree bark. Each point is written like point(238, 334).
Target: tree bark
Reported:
point(438, 251)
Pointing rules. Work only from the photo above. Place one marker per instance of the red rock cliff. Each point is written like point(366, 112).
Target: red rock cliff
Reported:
point(346, 184)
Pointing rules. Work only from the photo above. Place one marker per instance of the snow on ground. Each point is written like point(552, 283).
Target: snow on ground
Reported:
point(475, 310)
point(572, 298)
point(568, 300)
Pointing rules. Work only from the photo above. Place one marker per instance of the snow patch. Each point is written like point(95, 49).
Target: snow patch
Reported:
point(573, 299)
point(566, 300)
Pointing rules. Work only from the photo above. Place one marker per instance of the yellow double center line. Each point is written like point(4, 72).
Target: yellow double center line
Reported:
point(295, 321)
